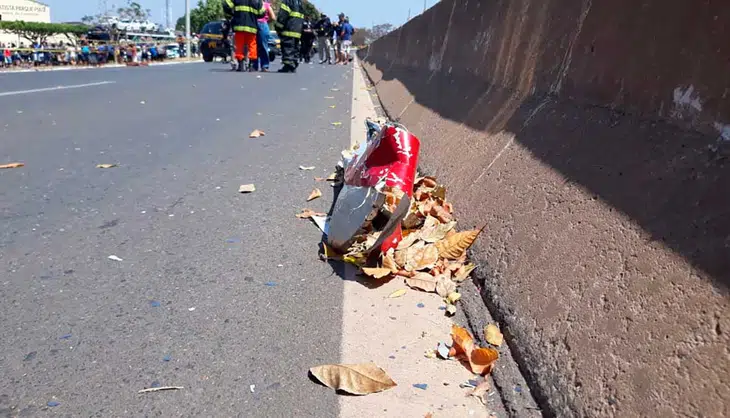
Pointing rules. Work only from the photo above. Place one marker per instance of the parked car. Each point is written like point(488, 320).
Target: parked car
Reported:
point(172, 51)
point(212, 43)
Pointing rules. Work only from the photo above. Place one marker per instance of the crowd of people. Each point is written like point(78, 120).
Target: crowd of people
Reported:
point(85, 53)
point(249, 22)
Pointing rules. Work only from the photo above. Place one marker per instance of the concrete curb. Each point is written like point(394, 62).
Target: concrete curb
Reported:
point(507, 378)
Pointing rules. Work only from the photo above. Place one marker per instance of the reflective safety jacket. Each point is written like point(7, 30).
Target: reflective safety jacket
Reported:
point(290, 20)
point(243, 14)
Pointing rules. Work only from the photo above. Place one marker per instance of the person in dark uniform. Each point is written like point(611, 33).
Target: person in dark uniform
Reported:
point(289, 24)
point(307, 40)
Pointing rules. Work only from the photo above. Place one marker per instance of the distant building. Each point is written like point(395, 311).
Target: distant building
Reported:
point(25, 10)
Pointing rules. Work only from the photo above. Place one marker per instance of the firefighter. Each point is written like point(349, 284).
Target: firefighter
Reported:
point(244, 15)
point(289, 27)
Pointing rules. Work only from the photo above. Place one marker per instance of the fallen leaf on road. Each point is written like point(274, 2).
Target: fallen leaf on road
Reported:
point(356, 379)
point(114, 258)
point(444, 286)
point(463, 342)
point(398, 293)
point(142, 102)
point(482, 360)
point(480, 392)
point(423, 281)
point(389, 262)
point(334, 89)
point(316, 193)
point(256, 133)
point(493, 335)
point(456, 245)
point(376, 272)
point(451, 309)
point(437, 232)
point(304, 168)
point(328, 97)
point(463, 272)
point(247, 188)
point(333, 106)
point(106, 165)
point(12, 165)
point(453, 297)
point(336, 123)
point(309, 213)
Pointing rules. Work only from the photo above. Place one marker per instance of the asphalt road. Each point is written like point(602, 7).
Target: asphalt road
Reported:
point(217, 290)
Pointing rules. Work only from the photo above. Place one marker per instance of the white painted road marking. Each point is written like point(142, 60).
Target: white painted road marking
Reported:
point(76, 86)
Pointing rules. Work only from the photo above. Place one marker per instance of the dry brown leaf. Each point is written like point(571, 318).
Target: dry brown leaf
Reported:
point(412, 221)
point(493, 335)
point(463, 342)
point(463, 272)
point(428, 415)
point(389, 261)
point(439, 192)
point(480, 391)
point(428, 181)
point(106, 165)
point(442, 214)
point(247, 188)
point(408, 241)
point(482, 360)
point(423, 281)
point(437, 232)
point(421, 258)
point(376, 272)
point(316, 193)
point(308, 213)
point(356, 379)
point(455, 246)
point(256, 133)
point(12, 165)
point(444, 286)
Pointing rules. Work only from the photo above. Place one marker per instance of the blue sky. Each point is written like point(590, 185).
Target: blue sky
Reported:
point(361, 12)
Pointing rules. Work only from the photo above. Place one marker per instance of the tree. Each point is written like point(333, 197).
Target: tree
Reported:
point(40, 32)
point(133, 11)
point(378, 31)
point(365, 36)
point(205, 12)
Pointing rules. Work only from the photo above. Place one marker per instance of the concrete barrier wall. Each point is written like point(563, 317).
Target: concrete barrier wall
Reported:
point(590, 137)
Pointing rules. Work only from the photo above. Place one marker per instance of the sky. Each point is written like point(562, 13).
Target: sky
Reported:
point(363, 13)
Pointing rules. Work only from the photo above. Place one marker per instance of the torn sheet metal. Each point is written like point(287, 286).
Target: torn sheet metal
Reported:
point(378, 186)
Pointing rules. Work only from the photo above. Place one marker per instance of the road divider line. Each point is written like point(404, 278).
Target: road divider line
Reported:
point(74, 86)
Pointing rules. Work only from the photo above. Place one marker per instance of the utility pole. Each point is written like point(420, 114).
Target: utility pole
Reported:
point(187, 28)
point(409, 15)
point(168, 15)
point(424, 6)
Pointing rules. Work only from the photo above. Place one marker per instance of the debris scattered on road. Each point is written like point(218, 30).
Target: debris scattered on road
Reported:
point(167, 358)
point(398, 293)
point(252, 388)
point(333, 106)
point(155, 304)
point(336, 123)
point(443, 351)
point(65, 337)
point(247, 188)
point(422, 386)
point(12, 165)
point(316, 194)
point(306, 168)
point(53, 404)
point(191, 309)
point(161, 388)
point(355, 379)
point(376, 272)
point(493, 335)
point(270, 284)
point(234, 240)
point(480, 360)
point(256, 133)
point(420, 305)
point(481, 391)
point(106, 165)
point(142, 102)
point(335, 89)
point(309, 213)
point(114, 258)
point(329, 97)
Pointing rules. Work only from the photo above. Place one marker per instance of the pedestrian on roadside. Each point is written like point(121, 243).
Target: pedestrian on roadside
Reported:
point(263, 35)
point(307, 40)
point(347, 31)
point(244, 16)
point(323, 29)
point(289, 27)
point(336, 41)
point(7, 56)
point(194, 41)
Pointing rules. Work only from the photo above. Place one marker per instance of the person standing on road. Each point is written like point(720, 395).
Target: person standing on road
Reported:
point(307, 40)
point(346, 37)
point(244, 15)
point(323, 29)
point(289, 27)
point(262, 37)
point(336, 41)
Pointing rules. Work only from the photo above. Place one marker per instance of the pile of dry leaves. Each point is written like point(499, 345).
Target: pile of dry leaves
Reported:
point(432, 255)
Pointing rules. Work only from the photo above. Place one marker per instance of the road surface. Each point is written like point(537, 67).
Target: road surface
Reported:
point(217, 291)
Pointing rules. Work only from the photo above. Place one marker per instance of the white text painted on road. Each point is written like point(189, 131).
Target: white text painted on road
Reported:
point(76, 86)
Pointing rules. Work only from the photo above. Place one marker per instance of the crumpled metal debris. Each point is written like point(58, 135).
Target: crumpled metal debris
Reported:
point(377, 190)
